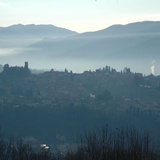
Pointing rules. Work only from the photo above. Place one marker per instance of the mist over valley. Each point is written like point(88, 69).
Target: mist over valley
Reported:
point(108, 78)
point(135, 45)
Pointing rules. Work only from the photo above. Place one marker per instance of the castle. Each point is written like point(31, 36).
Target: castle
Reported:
point(16, 70)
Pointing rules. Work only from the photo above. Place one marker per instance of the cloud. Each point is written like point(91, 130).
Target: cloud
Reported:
point(153, 70)
point(2, 4)
point(153, 67)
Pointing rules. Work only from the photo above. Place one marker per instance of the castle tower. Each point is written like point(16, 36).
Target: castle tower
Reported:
point(26, 65)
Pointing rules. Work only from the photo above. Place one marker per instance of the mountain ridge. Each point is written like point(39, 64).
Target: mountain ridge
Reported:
point(136, 42)
point(135, 27)
point(19, 30)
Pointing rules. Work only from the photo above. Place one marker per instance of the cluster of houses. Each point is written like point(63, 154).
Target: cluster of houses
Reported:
point(60, 89)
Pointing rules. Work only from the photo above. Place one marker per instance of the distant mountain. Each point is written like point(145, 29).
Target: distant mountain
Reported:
point(119, 45)
point(19, 36)
point(132, 28)
point(115, 41)
point(41, 31)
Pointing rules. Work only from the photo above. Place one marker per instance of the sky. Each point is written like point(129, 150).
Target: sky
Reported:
point(78, 15)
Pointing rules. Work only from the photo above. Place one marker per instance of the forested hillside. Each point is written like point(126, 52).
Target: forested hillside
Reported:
point(53, 107)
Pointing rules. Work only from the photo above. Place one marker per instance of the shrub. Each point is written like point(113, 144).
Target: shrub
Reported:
point(121, 144)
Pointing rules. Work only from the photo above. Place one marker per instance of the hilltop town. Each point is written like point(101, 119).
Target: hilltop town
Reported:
point(54, 106)
point(101, 89)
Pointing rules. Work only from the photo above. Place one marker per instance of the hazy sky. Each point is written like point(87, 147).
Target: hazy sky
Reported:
point(78, 15)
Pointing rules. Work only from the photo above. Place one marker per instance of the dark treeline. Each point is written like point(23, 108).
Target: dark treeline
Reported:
point(19, 150)
point(102, 144)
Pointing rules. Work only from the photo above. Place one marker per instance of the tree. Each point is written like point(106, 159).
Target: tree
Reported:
point(105, 96)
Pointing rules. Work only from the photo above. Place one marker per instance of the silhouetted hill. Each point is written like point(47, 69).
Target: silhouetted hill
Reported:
point(132, 28)
point(32, 30)
point(54, 107)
